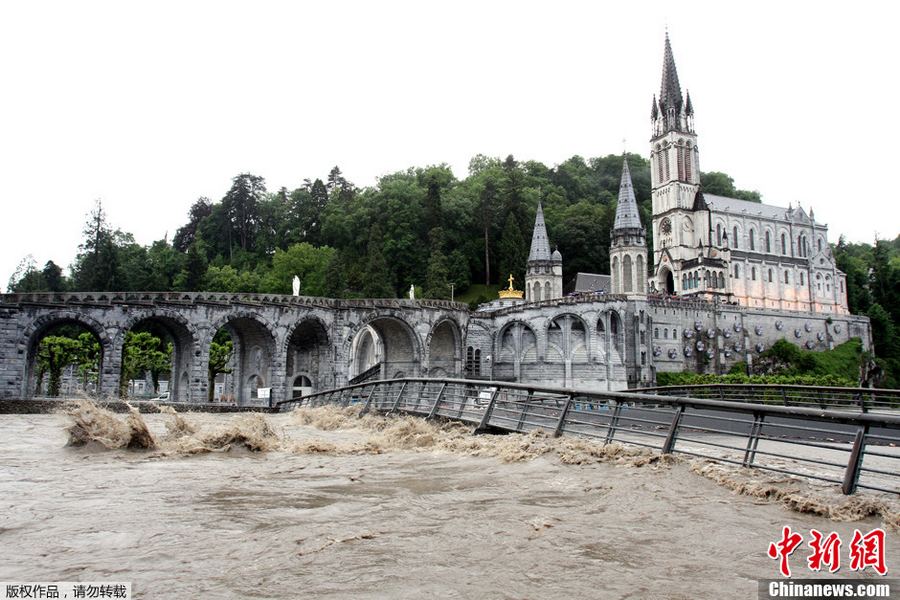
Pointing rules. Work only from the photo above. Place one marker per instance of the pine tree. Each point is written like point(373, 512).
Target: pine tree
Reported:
point(511, 252)
point(378, 277)
point(437, 284)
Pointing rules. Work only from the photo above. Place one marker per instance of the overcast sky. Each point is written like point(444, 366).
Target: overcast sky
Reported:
point(148, 106)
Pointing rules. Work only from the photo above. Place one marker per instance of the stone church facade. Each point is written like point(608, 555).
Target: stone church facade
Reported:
point(727, 279)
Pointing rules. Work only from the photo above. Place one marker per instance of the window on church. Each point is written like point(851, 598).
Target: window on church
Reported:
point(666, 333)
point(783, 245)
point(656, 333)
point(687, 163)
point(802, 278)
point(753, 273)
point(734, 240)
point(718, 234)
point(753, 239)
point(770, 275)
point(679, 152)
point(722, 280)
point(477, 362)
point(737, 271)
point(820, 244)
point(786, 276)
point(684, 280)
point(842, 286)
point(768, 242)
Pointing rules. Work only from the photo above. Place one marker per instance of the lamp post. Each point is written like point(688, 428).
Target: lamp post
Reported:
point(451, 292)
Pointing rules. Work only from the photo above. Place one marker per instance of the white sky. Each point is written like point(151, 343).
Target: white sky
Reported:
point(149, 106)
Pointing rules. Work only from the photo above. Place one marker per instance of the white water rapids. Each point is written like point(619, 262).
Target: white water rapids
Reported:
point(324, 505)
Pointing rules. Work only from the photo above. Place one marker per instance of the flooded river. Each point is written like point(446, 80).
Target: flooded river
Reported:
point(320, 504)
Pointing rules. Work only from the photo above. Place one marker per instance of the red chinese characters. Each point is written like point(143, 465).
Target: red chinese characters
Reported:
point(784, 548)
point(868, 551)
point(864, 550)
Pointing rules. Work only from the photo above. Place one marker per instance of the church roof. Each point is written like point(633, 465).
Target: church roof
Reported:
point(591, 282)
point(745, 207)
point(540, 244)
point(627, 216)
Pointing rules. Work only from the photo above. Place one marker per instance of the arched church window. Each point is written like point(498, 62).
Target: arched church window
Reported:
point(666, 333)
point(656, 333)
point(802, 278)
point(600, 327)
point(753, 239)
point(696, 280)
point(478, 362)
point(679, 153)
point(547, 293)
point(753, 273)
point(737, 271)
point(734, 240)
point(706, 281)
point(768, 242)
point(787, 276)
point(718, 234)
point(783, 245)
point(820, 244)
point(687, 162)
point(722, 280)
point(684, 280)
point(770, 275)
point(537, 292)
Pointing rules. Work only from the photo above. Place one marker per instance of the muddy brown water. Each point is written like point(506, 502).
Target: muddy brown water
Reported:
point(323, 505)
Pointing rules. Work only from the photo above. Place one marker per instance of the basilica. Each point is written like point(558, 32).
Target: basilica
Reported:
point(726, 279)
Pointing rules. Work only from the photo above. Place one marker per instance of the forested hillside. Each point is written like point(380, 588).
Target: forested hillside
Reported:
point(421, 227)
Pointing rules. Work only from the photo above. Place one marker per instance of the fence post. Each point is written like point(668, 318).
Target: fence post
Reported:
point(397, 401)
point(613, 422)
point(365, 408)
point(753, 440)
point(437, 401)
point(525, 406)
point(669, 444)
point(851, 476)
point(482, 426)
point(562, 416)
point(784, 396)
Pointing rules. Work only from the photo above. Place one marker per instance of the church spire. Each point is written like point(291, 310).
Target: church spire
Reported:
point(672, 108)
point(627, 216)
point(540, 245)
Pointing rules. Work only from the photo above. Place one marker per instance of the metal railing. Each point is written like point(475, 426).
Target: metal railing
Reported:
point(851, 449)
point(841, 398)
point(370, 373)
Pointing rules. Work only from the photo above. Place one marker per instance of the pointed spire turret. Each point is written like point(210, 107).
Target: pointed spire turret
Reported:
point(627, 216)
point(540, 245)
point(654, 110)
point(674, 113)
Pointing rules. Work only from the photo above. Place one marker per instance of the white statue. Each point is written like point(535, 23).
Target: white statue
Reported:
point(296, 285)
point(412, 292)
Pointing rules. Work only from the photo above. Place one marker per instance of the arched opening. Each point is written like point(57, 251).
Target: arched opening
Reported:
point(309, 356)
point(156, 359)
point(627, 281)
point(616, 332)
point(517, 345)
point(616, 276)
point(240, 362)
point(536, 294)
point(388, 343)
point(548, 294)
point(668, 281)
point(302, 386)
point(641, 275)
point(65, 359)
point(443, 349)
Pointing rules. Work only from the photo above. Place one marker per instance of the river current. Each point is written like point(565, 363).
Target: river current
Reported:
point(321, 504)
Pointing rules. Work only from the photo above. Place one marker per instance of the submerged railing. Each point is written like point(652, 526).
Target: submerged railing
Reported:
point(841, 398)
point(851, 449)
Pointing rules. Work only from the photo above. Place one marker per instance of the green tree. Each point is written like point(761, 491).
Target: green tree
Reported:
point(54, 354)
point(378, 282)
point(241, 204)
point(305, 261)
point(512, 252)
point(437, 279)
point(189, 232)
point(220, 351)
point(142, 353)
point(97, 264)
point(191, 277)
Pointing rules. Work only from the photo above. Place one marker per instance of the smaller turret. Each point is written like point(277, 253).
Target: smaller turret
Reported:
point(628, 251)
point(543, 273)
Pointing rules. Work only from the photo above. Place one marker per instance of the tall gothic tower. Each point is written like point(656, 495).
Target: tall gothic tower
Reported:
point(628, 250)
point(680, 217)
point(543, 273)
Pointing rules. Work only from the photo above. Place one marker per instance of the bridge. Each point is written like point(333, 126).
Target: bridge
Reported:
point(279, 341)
point(828, 437)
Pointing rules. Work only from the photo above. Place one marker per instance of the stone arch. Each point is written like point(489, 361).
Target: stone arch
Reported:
point(254, 353)
point(616, 331)
point(627, 277)
point(307, 352)
point(396, 342)
point(43, 324)
point(567, 338)
point(171, 327)
point(444, 345)
point(641, 275)
point(516, 343)
point(667, 280)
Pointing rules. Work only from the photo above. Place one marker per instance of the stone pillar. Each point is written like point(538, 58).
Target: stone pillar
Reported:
point(13, 358)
